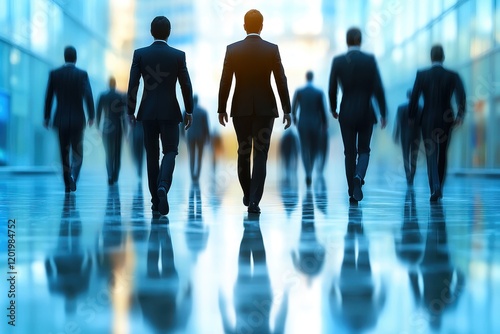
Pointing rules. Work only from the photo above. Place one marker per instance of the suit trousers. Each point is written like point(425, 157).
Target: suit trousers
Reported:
point(310, 144)
point(137, 147)
point(113, 147)
point(436, 142)
point(356, 137)
point(71, 145)
point(160, 174)
point(254, 137)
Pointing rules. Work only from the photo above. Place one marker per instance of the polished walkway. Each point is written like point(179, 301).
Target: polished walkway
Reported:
point(96, 261)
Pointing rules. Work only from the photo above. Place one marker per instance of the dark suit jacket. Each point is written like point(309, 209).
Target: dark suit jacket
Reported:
point(160, 67)
point(71, 86)
point(437, 86)
point(112, 105)
point(252, 61)
point(359, 78)
point(312, 107)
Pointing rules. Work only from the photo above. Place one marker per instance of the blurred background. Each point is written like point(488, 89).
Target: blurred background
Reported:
point(33, 34)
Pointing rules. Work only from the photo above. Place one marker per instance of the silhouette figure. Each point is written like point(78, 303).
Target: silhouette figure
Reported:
point(70, 86)
point(437, 86)
point(165, 305)
point(253, 296)
point(311, 255)
point(196, 232)
point(110, 240)
point(354, 300)
point(358, 75)
point(289, 155)
point(410, 245)
point(442, 283)
point(311, 124)
point(197, 137)
point(111, 106)
point(321, 195)
point(69, 268)
point(160, 66)
point(251, 61)
point(409, 138)
point(289, 190)
point(136, 143)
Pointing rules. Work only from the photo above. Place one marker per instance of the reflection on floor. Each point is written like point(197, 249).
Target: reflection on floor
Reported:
point(98, 261)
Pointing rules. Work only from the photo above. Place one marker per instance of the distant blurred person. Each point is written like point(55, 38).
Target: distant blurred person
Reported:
point(437, 86)
point(289, 154)
point(358, 75)
point(196, 138)
point(111, 106)
point(160, 66)
point(311, 123)
point(136, 140)
point(70, 86)
point(409, 138)
point(254, 108)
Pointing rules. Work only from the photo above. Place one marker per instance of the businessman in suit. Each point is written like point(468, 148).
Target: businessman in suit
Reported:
point(160, 67)
point(70, 86)
point(409, 138)
point(358, 76)
point(111, 107)
point(311, 123)
point(254, 107)
point(437, 86)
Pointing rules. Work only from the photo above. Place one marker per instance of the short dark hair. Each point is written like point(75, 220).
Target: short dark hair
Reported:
point(253, 21)
point(353, 37)
point(437, 53)
point(309, 75)
point(160, 27)
point(70, 54)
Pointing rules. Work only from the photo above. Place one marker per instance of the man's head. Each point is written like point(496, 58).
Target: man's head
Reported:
point(253, 22)
point(353, 37)
point(437, 53)
point(160, 28)
point(70, 54)
point(195, 99)
point(112, 83)
point(309, 76)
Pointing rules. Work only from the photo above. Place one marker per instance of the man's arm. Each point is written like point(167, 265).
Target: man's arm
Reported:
point(49, 95)
point(226, 81)
point(133, 84)
point(99, 111)
point(415, 95)
point(89, 99)
point(460, 99)
point(379, 95)
point(281, 82)
point(333, 88)
point(185, 83)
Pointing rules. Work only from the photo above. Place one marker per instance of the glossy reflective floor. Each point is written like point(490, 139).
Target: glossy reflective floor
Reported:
point(96, 261)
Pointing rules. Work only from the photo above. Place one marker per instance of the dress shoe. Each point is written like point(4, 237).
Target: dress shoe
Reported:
point(72, 184)
point(163, 201)
point(253, 208)
point(436, 195)
point(308, 181)
point(245, 201)
point(357, 193)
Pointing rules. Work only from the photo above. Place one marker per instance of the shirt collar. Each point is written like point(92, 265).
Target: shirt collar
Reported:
point(160, 40)
point(253, 34)
point(69, 64)
point(437, 63)
point(354, 48)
